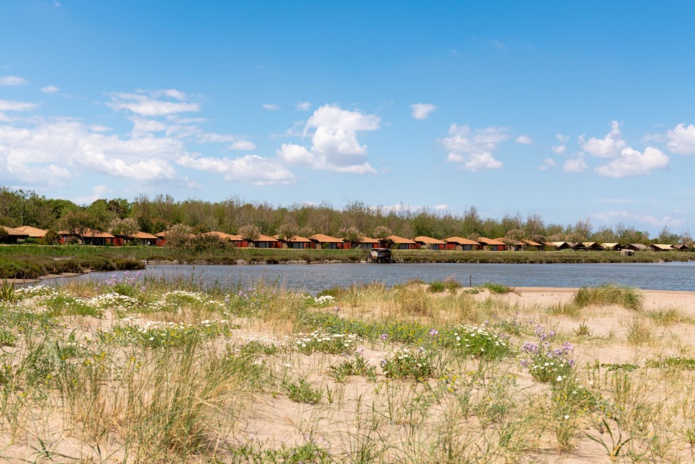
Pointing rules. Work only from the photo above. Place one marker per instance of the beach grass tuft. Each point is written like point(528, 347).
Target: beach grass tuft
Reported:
point(609, 294)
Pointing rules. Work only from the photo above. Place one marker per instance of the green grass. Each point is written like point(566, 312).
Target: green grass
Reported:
point(302, 391)
point(497, 288)
point(609, 294)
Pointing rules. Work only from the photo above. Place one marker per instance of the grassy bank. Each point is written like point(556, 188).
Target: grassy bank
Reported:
point(141, 370)
point(31, 261)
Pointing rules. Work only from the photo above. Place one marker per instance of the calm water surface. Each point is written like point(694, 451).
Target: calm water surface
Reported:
point(316, 277)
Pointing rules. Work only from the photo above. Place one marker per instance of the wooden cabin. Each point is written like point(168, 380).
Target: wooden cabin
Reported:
point(399, 243)
point(263, 241)
point(326, 242)
point(491, 244)
point(660, 247)
point(368, 243)
point(462, 244)
point(296, 242)
point(13, 235)
point(430, 243)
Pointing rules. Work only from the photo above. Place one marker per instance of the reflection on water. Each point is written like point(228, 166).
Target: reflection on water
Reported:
point(316, 277)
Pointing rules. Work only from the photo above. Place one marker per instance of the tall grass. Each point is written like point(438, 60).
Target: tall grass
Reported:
point(426, 378)
point(609, 294)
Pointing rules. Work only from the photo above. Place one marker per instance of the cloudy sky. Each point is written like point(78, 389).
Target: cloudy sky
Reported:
point(571, 110)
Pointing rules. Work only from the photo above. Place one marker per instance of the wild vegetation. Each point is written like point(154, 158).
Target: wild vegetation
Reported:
point(138, 369)
point(22, 208)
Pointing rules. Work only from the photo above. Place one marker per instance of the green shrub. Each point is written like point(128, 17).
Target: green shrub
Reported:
point(497, 288)
point(302, 392)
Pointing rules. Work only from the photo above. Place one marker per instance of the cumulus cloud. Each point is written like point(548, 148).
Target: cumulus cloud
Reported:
point(153, 102)
point(633, 163)
point(524, 139)
point(249, 168)
point(12, 80)
point(681, 139)
point(561, 147)
point(473, 148)
point(11, 105)
point(50, 89)
point(609, 146)
point(271, 107)
point(547, 164)
point(421, 110)
point(575, 165)
point(52, 151)
point(303, 106)
point(334, 141)
point(97, 192)
point(243, 145)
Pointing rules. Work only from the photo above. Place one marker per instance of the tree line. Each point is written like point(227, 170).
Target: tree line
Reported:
point(162, 213)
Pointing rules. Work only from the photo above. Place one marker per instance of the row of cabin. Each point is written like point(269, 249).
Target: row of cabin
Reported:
point(325, 242)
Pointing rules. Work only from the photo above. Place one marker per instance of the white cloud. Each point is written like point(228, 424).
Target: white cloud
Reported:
point(54, 151)
point(334, 141)
point(547, 164)
point(142, 126)
point(575, 165)
point(303, 106)
point(11, 105)
point(150, 102)
point(216, 138)
point(12, 80)
point(97, 193)
point(561, 147)
point(608, 147)
point(421, 110)
point(271, 107)
point(243, 145)
point(524, 139)
point(473, 148)
point(249, 168)
point(440, 207)
point(681, 139)
point(50, 89)
point(636, 218)
point(237, 142)
point(633, 163)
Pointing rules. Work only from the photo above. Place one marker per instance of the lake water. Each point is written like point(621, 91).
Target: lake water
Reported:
point(316, 277)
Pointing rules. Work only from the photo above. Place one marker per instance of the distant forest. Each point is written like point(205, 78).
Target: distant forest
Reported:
point(157, 214)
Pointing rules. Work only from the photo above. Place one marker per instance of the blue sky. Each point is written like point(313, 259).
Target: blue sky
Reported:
point(570, 110)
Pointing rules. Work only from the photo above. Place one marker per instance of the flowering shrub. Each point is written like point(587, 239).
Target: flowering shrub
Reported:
point(404, 363)
point(157, 334)
point(475, 341)
point(113, 300)
point(321, 342)
point(127, 285)
point(30, 292)
point(544, 363)
point(320, 301)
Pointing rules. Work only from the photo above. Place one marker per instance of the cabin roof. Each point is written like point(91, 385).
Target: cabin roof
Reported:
point(461, 241)
point(429, 240)
point(33, 232)
point(323, 238)
point(489, 241)
point(400, 240)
